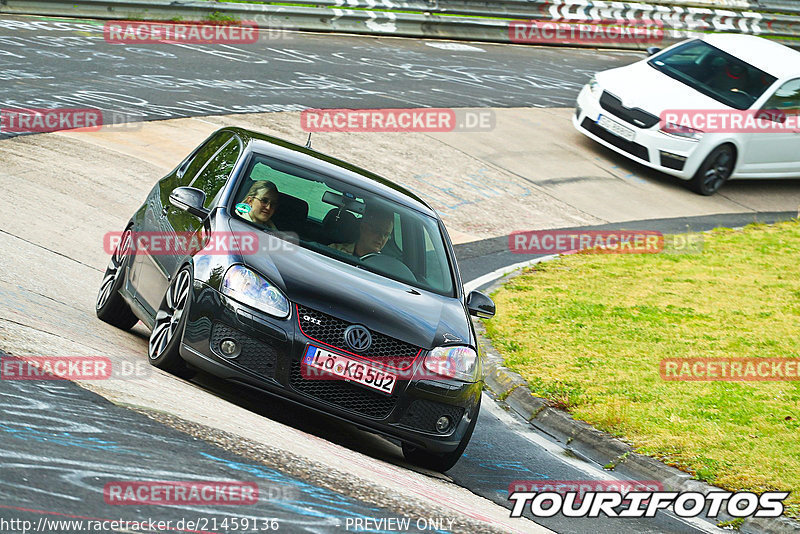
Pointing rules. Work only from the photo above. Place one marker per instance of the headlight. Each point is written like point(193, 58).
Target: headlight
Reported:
point(249, 288)
point(453, 362)
point(677, 130)
point(594, 87)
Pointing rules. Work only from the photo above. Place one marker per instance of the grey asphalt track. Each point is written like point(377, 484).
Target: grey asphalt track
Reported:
point(59, 444)
point(52, 63)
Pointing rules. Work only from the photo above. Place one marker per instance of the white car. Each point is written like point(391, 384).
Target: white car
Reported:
point(719, 74)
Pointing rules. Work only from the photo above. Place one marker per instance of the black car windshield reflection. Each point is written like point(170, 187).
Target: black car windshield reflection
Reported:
point(344, 222)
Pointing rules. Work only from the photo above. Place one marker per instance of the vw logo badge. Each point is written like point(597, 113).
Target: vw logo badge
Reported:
point(358, 338)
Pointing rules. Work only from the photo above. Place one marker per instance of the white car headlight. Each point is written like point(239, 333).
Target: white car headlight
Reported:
point(453, 362)
point(678, 130)
point(248, 287)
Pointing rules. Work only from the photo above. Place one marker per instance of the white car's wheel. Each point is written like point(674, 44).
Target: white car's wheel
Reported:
point(715, 170)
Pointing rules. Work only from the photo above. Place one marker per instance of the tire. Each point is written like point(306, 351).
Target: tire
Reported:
point(441, 462)
point(715, 171)
point(163, 348)
point(109, 305)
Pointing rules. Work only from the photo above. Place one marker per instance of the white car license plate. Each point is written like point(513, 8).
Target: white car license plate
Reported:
point(616, 128)
point(349, 369)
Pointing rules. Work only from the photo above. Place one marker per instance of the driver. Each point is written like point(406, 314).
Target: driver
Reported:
point(729, 76)
point(374, 230)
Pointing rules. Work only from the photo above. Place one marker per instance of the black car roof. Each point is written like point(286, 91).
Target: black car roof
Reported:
point(347, 172)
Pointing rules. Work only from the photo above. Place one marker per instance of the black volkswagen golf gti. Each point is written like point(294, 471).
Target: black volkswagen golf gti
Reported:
point(282, 269)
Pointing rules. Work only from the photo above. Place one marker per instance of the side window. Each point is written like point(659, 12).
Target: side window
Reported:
point(786, 98)
point(213, 177)
point(195, 162)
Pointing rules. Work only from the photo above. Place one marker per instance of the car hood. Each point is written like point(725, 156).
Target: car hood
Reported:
point(641, 86)
point(329, 286)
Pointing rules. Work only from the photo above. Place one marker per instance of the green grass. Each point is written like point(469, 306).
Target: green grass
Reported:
point(588, 332)
point(216, 16)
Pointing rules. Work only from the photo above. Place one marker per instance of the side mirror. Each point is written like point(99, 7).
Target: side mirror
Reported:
point(480, 305)
point(653, 50)
point(189, 199)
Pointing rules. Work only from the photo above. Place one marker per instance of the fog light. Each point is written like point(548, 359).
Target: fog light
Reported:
point(672, 161)
point(443, 424)
point(229, 348)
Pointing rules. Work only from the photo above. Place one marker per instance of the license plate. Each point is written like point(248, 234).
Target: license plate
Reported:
point(348, 369)
point(616, 128)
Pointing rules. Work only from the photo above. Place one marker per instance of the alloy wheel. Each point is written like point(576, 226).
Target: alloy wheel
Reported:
point(114, 269)
point(719, 171)
point(169, 316)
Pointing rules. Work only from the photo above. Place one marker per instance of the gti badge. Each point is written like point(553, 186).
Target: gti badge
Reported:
point(312, 320)
point(357, 338)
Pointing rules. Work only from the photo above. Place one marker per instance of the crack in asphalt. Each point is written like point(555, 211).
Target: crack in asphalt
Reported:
point(49, 250)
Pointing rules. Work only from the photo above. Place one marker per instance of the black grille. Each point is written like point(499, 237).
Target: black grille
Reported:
point(255, 356)
point(640, 151)
point(330, 331)
point(422, 415)
point(344, 395)
point(638, 117)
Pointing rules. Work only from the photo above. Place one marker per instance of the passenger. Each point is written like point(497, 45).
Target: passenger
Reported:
point(374, 230)
point(262, 199)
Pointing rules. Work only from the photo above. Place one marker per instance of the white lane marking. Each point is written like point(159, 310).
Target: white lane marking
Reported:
point(458, 47)
point(502, 271)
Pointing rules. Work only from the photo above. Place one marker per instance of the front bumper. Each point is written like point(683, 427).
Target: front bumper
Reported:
point(666, 153)
point(269, 360)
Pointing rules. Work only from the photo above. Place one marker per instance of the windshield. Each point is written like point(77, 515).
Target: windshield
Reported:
point(344, 222)
point(714, 73)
